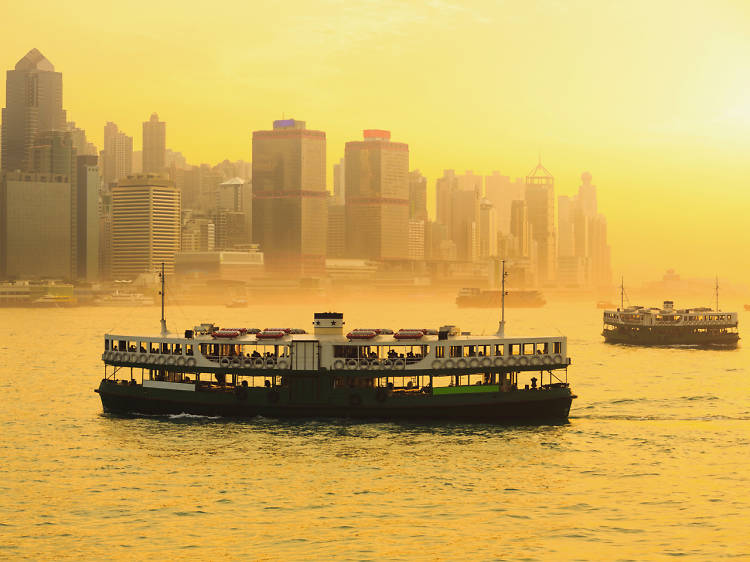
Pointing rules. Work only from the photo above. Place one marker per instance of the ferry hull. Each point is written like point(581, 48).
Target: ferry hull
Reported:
point(651, 338)
point(514, 406)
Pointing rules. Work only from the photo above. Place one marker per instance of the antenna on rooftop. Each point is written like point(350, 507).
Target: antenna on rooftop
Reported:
point(716, 292)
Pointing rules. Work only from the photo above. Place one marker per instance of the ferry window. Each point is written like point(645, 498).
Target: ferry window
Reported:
point(515, 349)
point(456, 351)
point(122, 345)
point(154, 347)
point(440, 351)
point(528, 349)
point(189, 349)
point(470, 351)
point(499, 349)
point(106, 345)
point(177, 349)
point(558, 347)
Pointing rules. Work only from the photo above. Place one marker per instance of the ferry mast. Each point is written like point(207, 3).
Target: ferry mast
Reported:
point(163, 320)
point(501, 327)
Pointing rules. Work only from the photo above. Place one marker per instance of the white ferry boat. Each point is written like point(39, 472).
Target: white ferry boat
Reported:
point(413, 373)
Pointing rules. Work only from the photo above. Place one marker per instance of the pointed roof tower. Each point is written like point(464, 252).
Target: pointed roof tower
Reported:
point(35, 60)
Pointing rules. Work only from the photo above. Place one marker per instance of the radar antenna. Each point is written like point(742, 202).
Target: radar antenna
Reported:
point(163, 320)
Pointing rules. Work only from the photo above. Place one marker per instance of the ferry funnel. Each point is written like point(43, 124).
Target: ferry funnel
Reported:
point(328, 323)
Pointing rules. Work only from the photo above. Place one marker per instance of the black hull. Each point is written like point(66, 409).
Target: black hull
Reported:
point(514, 406)
point(649, 338)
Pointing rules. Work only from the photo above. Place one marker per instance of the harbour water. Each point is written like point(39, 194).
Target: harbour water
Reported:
point(652, 464)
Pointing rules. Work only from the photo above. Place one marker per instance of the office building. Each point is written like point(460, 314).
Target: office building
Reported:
point(33, 99)
point(290, 198)
point(145, 225)
point(117, 156)
point(377, 197)
point(154, 145)
point(502, 191)
point(417, 196)
point(540, 203)
point(36, 226)
point(339, 182)
point(87, 217)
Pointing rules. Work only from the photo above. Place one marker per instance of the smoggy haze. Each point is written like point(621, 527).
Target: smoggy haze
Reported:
point(652, 99)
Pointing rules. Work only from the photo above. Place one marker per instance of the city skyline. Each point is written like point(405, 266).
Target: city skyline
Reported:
point(647, 154)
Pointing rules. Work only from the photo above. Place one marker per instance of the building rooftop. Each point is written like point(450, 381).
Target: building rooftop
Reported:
point(35, 60)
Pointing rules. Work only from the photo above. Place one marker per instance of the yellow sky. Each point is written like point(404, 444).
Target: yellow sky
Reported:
point(653, 98)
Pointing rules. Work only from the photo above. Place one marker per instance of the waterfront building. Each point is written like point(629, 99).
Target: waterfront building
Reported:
point(540, 202)
point(339, 182)
point(33, 105)
point(154, 145)
point(289, 215)
point(417, 196)
point(145, 225)
point(487, 229)
point(336, 236)
point(377, 197)
point(502, 192)
point(37, 226)
point(117, 155)
point(87, 217)
point(415, 247)
point(444, 188)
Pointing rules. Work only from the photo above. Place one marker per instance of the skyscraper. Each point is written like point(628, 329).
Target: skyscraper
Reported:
point(289, 198)
point(417, 196)
point(33, 98)
point(117, 156)
point(87, 217)
point(540, 202)
point(502, 191)
point(377, 197)
point(154, 145)
point(145, 225)
point(339, 182)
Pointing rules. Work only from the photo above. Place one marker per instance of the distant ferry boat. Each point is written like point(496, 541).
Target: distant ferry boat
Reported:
point(418, 373)
point(120, 298)
point(671, 326)
point(472, 297)
point(51, 301)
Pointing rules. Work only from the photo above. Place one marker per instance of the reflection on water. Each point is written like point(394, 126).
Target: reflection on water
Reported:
point(651, 464)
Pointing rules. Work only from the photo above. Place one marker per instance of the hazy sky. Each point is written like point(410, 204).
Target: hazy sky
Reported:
point(651, 97)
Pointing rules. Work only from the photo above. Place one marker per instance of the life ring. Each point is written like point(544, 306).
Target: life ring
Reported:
point(375, 364)
point(461, 363)
point(258, 363)
point(143, 358)
point(270, 363)
point(436, 364)
point(522, 361)
point(547, 360)
point(355, 400)
point(171, 360)
point(282, 364)
point(161, 360)
point(381, 394)
point(473, 362)
point(180, 361)
point(486, 362)
point(247, 363)
point(536, 360)
point(498, 361)
point(117, 356)
point(351, 364)
point(190, 362)
point(236, 362)
point(388, 364)
point(273, 395)
point(152, 359)
point(399, 364)
point(449, 364)
point(364, 364)
point(339, 364)
point(224, 362)
point(558, 359)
